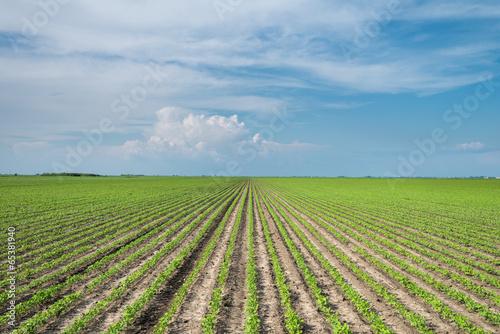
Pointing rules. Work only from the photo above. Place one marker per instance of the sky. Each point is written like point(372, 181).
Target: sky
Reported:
point(250, 88)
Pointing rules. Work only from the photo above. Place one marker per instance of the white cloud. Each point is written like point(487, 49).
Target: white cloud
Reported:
point(389, 76)
point(302, 36)
point(434, 10)
point(466, 147)
point(473, 146)
point(184, 134)
point(181, 131)
point(29, 147)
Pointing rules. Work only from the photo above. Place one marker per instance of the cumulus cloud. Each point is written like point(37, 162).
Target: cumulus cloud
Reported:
point(27, 147)
point(466, 147)
point(473, 146)
point(185, 134)
point(181, 131)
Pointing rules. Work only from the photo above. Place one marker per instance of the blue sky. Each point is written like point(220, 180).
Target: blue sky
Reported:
point(317, 88)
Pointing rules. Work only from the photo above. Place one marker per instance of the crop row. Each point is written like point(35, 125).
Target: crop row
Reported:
point(132, 310)
point(428, 297)
point(208, 323)
point(60, 306)
point(293, 321)
point(252, 323)
point(356, 299)
point(403, 239)
point(311, 279)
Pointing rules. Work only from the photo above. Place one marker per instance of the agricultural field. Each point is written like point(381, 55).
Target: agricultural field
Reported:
point(249, 255)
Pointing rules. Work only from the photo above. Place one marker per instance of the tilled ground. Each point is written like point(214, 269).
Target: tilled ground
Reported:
point(231, 317)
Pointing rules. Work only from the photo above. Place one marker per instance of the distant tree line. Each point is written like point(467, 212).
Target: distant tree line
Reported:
point(69, 174)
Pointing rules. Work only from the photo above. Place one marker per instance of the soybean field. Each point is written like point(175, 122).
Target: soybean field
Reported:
point(249, 255)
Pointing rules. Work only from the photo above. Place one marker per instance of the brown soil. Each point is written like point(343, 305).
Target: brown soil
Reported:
point(302, 301)
point(270, 311)
point(189, 316)
point(231, 317)
point(338, 302)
